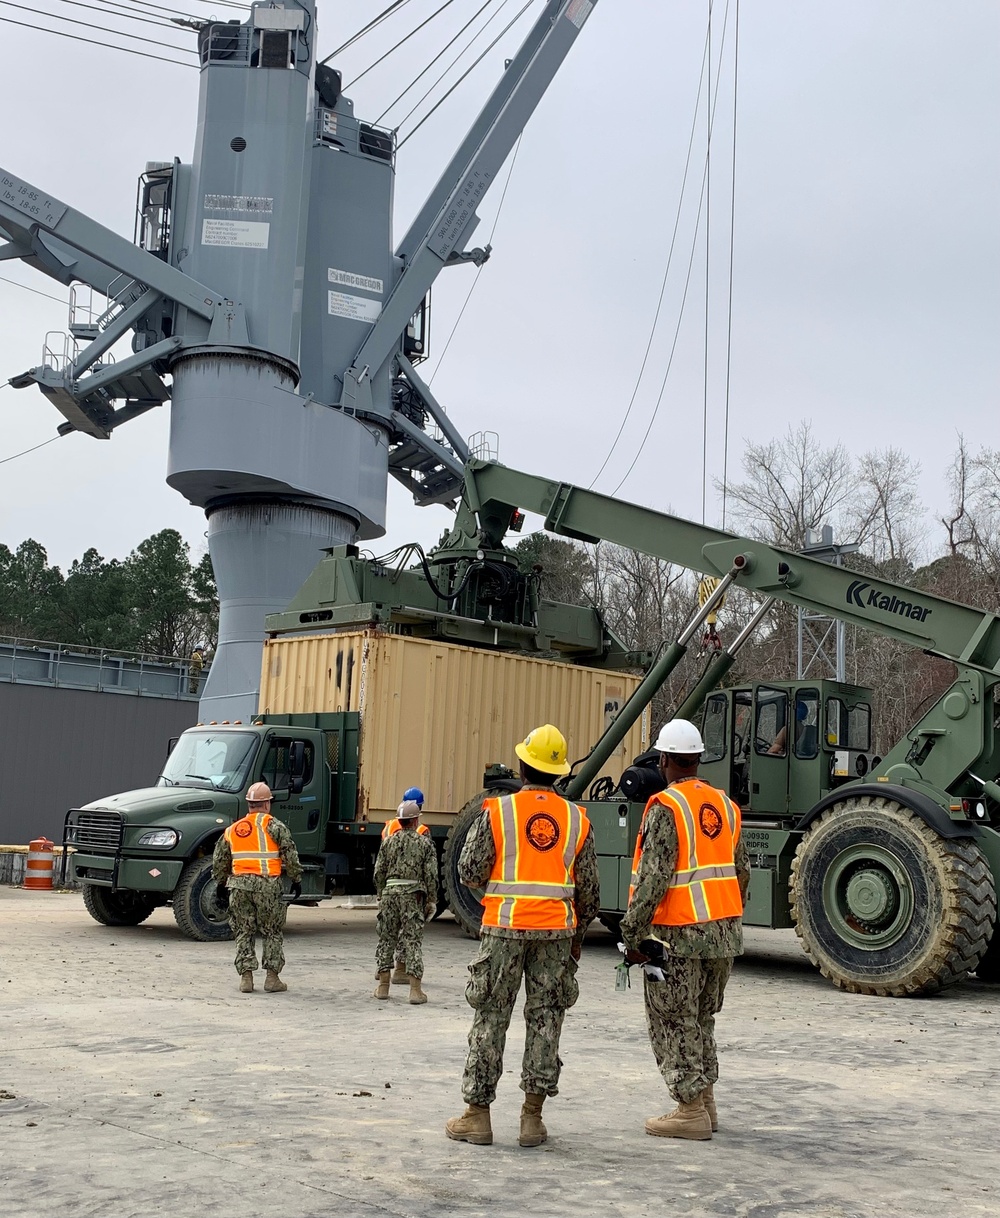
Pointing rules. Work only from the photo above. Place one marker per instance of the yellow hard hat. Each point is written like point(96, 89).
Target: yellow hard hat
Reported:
point(544, 749)
point(259, 793)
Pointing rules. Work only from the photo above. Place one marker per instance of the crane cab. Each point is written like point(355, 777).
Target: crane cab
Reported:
point(779, 747)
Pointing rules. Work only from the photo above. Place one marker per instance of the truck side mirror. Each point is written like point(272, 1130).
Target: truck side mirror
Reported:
point(296, 766)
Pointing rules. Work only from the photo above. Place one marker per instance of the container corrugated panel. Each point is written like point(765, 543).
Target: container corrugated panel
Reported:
point(435, 714)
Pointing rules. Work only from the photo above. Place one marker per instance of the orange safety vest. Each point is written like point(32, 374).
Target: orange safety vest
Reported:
point(537, 836)
point(393, 826)
point(704, 887)
point(255, 852)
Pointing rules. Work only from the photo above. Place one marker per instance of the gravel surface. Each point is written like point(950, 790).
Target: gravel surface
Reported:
point(135, 1079)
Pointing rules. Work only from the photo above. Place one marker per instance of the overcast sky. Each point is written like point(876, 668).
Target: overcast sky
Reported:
point(866, 266)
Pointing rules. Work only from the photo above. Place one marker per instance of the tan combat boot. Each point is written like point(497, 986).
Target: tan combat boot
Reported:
point(533, 1131)
point(472, 1126)
point(689, 1121)
point(417, 995)
point(708, 1096)
point(273, 983)
point(246, 983)
point(382, 990)
point(399, 974)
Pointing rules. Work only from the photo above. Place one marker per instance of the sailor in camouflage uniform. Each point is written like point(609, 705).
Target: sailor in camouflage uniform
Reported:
point(534, 854)
point(689, 882)
point(248, 863)
point(406, 882)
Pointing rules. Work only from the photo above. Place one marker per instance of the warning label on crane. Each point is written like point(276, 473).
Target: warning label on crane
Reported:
point(247, 234)
point(357, 308)
point(578, 11)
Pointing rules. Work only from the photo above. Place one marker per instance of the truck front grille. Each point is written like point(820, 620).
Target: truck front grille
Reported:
point(95, 830)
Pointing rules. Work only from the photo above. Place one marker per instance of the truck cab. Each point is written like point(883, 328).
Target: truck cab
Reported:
point(141, 849)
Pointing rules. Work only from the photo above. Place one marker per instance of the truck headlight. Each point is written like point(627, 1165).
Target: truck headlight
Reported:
point(164, 838)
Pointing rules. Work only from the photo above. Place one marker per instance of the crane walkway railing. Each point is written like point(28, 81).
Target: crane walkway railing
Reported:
point(34, 662)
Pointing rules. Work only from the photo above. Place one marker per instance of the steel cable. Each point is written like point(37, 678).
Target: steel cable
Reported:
point(475, 63)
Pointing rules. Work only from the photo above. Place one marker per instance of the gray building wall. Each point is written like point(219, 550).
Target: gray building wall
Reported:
point(60, 748)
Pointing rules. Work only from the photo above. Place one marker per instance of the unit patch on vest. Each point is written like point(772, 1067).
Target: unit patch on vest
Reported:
point(542, 831)
point(243, 828)
point(710, 821)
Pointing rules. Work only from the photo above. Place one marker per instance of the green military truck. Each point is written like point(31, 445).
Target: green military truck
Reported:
point(142, 849)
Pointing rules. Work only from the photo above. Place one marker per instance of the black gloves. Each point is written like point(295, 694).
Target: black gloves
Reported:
point(222, 898)
point(296, 890)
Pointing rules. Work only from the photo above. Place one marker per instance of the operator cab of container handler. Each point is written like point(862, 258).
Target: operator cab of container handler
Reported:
point(777, 748)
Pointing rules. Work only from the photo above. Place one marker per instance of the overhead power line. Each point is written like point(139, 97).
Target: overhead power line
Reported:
point(24, 452)
point(666, 271)
point(176, 12)
point(110, 46)
point(479, 269)
point(90, 25)
point(47, 295)
point(128, 15)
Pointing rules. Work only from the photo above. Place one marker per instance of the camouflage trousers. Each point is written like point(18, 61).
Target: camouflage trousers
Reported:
point(401, 931)
point(550, 989)
point(258, 911)
point(680, 1016)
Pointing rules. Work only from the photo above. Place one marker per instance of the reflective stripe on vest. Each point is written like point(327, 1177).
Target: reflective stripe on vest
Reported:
point(704, 886)
point(537, 836)
point(255, 852)
point(393, 826)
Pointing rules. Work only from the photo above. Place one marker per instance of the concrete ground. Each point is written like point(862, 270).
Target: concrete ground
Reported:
point(136, 1080)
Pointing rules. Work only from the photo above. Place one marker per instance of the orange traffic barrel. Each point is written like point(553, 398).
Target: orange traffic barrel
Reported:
point(38, 873)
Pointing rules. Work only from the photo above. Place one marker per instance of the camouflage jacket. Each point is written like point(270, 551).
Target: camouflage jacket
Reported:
point(705, 940)
point(476, 864)
point(222, 859)
point(408, 855)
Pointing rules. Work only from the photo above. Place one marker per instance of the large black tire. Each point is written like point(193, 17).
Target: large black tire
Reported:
point(988, 968)
point(116, 908)
point(884, 905)
point(465, 903)
point(195, 910)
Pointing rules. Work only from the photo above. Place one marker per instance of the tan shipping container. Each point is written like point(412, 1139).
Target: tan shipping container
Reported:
point(435, 714)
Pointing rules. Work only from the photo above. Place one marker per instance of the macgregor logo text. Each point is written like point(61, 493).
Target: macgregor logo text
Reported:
point(866, 597)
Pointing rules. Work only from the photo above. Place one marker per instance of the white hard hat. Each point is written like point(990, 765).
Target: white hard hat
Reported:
point(408, 809)
point(681, 737)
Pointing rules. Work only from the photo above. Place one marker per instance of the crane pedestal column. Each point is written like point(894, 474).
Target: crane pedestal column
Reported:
point(262, 550)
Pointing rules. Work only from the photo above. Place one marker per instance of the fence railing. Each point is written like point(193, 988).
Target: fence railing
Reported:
point(34, 662)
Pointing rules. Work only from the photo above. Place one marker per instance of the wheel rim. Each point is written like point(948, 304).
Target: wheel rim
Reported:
point(207, 906)
point(868, 897)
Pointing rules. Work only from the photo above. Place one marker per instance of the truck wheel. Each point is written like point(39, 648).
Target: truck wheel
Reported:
point(195, 910)
point(611, 922)
point(465, 903)
point(116, 908)
point(884, 905)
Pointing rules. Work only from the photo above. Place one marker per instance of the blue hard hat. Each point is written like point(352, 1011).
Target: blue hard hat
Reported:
point(801, 711)
point(415, 794)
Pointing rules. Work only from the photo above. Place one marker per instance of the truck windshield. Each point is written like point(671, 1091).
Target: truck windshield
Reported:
point(220, 761)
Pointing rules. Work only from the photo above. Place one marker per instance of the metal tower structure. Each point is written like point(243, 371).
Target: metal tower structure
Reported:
point(822, 650)
point(266, 302)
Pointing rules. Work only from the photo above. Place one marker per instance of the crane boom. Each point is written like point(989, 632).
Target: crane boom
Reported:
point(935, 624)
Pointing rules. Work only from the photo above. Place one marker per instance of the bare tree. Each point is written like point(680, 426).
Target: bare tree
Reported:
point(791, 485)
point(886, 517)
